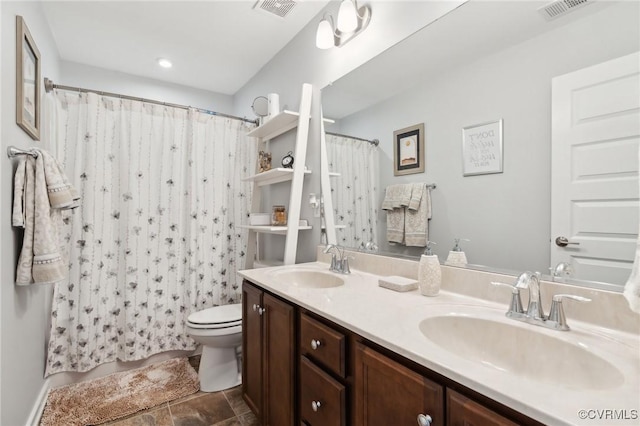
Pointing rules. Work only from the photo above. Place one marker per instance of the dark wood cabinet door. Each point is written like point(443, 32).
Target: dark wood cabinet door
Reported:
point(279, 356)
point(462, 411)
point(322, 399)
point(387, 393)
point(252, 384)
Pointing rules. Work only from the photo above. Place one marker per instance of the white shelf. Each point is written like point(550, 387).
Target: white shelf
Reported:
point(276, 126)
point(272, 176)
point(338, 227)
point(279, 230)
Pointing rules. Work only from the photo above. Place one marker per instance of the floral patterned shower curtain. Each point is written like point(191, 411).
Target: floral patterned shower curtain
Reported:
point(355, 190)
point(155, 237)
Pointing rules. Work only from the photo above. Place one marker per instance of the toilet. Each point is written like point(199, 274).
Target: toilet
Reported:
point(219, 330)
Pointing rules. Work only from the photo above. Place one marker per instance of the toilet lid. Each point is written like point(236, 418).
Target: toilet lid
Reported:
point(225, 315)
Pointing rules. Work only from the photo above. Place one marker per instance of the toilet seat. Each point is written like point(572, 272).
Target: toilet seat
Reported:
point(218, 317)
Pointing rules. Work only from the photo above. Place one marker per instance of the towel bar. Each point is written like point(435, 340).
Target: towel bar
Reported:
point(13, 152)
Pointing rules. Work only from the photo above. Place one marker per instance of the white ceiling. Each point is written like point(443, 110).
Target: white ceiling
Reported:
point(214, 45)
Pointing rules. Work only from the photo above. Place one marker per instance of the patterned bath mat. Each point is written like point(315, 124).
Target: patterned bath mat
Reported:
point(119, 394)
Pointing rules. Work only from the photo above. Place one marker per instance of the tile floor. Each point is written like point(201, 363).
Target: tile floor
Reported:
point(225, 408)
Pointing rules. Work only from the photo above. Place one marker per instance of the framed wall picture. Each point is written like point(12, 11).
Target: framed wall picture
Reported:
point(408, 150)
point(27, 81)
point(482, 148)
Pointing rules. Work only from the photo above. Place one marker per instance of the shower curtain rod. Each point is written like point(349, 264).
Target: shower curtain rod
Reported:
point(49, 85)
point(374, 142)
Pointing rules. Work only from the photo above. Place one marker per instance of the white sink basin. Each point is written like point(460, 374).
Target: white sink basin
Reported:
point(309, 278)
point(522, 350)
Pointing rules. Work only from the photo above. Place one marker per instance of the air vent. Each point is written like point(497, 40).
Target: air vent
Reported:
point(279, 8)
point(561, 7)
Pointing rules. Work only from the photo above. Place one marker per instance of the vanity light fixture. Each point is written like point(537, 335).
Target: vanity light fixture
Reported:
point(351, 21)
point(164, 63)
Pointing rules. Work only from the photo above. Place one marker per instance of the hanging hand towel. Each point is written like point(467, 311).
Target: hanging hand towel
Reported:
point(62, 195)
point(40, 259)
point(416, 228)
point(397, 196)
point(416, 196)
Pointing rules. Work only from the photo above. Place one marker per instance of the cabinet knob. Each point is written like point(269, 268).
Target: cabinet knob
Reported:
point(261, 310)
point(255, 307)
point(315, 344)
point(315, 405)
point(424, 420)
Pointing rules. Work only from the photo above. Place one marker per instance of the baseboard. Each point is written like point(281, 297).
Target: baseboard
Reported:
point(38, 406)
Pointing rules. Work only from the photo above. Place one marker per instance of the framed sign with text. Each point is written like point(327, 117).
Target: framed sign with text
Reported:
point(482, 148)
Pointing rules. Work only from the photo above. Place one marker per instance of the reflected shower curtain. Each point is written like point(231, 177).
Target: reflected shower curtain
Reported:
point(354, 192)
point(155, 237)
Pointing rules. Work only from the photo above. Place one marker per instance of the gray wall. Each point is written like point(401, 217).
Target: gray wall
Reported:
point(23, 325)
point(507, 216)
point(301, 62)
point(85, 76)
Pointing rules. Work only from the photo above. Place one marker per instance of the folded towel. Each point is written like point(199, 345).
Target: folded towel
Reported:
point(40, 259)
point(416, 222)
point(416, 196)
point(397, 196)
point(395, 225)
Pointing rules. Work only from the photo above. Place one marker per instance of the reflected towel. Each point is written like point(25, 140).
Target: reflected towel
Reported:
point(416, 222)
point(395, 225)
point(397, 196)
point(416, 196)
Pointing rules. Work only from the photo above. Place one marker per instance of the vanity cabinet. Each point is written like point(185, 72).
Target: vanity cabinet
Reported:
point(300, 368)
point(387, 393)
point(268, 347)
point(323, 388)
point(462, 411)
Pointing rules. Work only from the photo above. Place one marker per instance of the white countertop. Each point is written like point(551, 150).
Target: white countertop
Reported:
point(391, 319)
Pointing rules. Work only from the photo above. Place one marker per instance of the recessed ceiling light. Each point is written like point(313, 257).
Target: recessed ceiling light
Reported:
point(164, 63)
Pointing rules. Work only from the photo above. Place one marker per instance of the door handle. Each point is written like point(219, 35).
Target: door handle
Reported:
point(563, 242)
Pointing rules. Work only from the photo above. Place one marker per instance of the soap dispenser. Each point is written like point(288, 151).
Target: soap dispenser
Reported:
point(429, 273)
point(456, 255)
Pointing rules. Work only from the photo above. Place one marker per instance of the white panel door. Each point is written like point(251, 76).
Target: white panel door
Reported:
point(594, 170)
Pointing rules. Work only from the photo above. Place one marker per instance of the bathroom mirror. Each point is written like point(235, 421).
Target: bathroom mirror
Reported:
point(482, 62)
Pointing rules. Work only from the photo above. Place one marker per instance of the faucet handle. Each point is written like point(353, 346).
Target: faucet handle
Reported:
point(515, 307)
point(556, 313)
point(345, 264)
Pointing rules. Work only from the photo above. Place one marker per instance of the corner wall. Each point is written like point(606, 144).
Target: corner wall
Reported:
point(24, 310)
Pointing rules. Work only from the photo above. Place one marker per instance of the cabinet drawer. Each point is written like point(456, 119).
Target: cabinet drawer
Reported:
point(322, 399)
point(322, 344)
point(462, 411)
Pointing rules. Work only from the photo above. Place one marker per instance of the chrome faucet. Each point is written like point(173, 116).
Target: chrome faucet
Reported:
point(339, 262)
point(534, 313)
point(531, 281)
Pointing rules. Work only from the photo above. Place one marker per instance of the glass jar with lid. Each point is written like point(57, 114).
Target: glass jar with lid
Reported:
point(279, 216)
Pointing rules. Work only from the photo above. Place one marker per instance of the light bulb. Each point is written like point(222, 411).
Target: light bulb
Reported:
point(324, 35)
point(164, 63)
point(347, 17)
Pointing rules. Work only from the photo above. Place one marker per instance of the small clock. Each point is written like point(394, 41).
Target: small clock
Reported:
point(287, 161)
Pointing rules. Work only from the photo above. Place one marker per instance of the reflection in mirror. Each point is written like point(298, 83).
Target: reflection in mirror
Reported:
point(353, 166)
point(483, 62)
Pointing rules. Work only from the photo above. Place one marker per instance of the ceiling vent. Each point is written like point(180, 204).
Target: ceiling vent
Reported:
point(561, 7)
point(279, 8)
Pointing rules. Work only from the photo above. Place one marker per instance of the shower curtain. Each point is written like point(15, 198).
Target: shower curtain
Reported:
point(155, 237)
point(354, 192)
